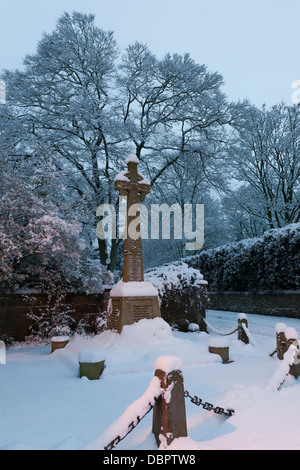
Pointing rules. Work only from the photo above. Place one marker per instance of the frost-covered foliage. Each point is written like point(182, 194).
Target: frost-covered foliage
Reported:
point(182, 294)
point(270, 262)
point(88, 108)
point(52, 319)
point(178, 276)
point(265, 159)
point(39, 249)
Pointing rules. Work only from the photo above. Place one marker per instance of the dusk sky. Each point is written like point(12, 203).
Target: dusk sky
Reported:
point(253, 44)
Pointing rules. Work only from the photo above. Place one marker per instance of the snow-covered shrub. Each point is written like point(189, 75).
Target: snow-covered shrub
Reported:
point(43, 251)
point(177, 276)
point(182, 293)
point(38, 247)
point(54, 318)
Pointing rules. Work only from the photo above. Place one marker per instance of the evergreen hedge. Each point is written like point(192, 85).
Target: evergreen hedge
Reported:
point(268, 263)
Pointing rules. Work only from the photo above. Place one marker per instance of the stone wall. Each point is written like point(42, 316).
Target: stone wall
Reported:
point(283, 304)
point(179, 307)
point(15, 323)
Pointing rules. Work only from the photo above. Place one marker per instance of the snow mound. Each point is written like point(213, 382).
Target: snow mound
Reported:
point(193, 327)
point(145, 329)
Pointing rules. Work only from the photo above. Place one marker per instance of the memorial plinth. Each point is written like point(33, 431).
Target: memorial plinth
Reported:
point(132, 299)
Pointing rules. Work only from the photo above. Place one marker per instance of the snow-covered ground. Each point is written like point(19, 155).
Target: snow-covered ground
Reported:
point(45, 405)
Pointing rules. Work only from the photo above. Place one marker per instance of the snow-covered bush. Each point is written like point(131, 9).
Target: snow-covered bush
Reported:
point(182, 294)
point(39, 249)
point(177, 276)
point(270, 262)
point(54, 318)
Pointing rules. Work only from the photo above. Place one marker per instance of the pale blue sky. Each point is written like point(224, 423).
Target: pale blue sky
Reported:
point(253, 44)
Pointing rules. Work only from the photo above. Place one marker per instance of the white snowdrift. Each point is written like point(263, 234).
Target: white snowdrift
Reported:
point(45, 405)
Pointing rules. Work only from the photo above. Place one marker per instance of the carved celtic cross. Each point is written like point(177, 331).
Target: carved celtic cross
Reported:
point(134, 187)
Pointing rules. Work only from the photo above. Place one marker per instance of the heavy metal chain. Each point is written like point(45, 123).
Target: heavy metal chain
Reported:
point(131, 427)
point(209, 406)
point(221, 333)
point(194, 399)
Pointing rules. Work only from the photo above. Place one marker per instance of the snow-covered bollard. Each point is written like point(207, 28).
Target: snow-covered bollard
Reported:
point(242, 322)
point(59, 342)
point(91, 363)
point(281, 341)
point(292, 339)
point(219, 346)
point(169, 416)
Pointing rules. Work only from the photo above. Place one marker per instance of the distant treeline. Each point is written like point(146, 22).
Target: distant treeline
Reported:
point(270, 262)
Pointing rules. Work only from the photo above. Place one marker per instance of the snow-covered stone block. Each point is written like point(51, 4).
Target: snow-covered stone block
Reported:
point(91, 363)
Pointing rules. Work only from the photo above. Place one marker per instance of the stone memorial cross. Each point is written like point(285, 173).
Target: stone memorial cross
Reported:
point(132, 299)
point(134, 187)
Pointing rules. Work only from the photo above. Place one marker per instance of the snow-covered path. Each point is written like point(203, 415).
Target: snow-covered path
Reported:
point(45, 405)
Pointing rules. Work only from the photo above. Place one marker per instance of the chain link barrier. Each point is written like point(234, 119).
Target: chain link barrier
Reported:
point(194, 399)
point(209, 406)
point(131, 427)
point(218, 332)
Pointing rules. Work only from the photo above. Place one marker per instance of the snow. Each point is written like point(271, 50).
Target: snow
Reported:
point(91, 356)
point(193, 327)
point(219, 342)
point(174, 276)
point(242, 316)
point(144, 180)
point(280, 327)
point(291, 333)
point(122, 177)
point(137, 409)
point(168, 363)
point(57, 339)
point(132, 158)
point(45, 405)
point(133, 288)
point(283, 369)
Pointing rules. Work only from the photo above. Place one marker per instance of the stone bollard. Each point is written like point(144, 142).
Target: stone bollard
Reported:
point(2, 352)
point(242, 320)
point(219, 346)
point(292, 338)
point(169, 416)
point(91, 363)
point(59, 342)
point(281, 341)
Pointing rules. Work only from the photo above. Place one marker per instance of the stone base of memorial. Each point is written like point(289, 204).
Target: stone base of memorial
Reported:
point(131, 302)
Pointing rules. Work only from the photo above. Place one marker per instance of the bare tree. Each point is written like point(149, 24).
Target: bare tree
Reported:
point(266, 160)
point(85, 112)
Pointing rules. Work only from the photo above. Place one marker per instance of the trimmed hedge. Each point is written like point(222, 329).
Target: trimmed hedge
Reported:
point(268, 263)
